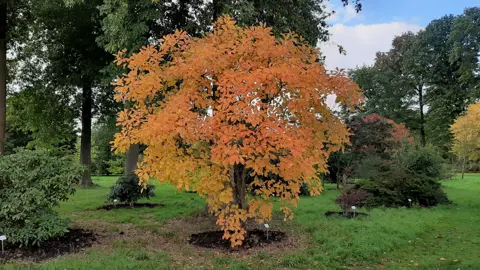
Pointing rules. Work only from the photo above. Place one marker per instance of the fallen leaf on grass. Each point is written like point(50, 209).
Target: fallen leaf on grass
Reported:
point(443, 259)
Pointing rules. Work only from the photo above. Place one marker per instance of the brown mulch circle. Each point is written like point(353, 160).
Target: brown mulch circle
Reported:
point(73, 241)
point(253, 238)
point(345, 215)
point(109, 207)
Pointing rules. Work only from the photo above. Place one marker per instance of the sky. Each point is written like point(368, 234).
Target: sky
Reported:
point(372, 30)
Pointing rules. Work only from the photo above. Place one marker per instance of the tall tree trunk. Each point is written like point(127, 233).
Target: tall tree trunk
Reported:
point(86, 137)
point(239, 175)
point(422, 116)
point(338, 181)
point(132, 158)
point(463, 166)
point(217, 9)
point(3, 74)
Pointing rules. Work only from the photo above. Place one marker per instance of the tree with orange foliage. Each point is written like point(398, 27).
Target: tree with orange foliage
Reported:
point(236, 103)
point(466, 133)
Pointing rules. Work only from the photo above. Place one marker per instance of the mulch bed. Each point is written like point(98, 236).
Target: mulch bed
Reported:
point(253, 238)
point(345, 215)
point(128, 206)
point(73, 241)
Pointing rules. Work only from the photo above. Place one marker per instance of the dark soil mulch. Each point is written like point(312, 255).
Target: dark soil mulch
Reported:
point(73, 241)
point(345, 215)
point(254, 238)
point(122, 205)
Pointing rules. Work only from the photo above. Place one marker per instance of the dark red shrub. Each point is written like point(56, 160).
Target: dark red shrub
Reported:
point(349, 198)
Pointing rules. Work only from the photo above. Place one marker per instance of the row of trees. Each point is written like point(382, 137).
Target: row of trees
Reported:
point(60, 60)
point(427, 79)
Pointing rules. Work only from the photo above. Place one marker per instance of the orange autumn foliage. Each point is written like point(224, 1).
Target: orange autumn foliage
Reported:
point(223, 113)
point(398, 132)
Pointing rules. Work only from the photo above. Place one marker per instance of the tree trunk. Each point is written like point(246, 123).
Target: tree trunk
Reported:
point(463, 166)
point(239, 175)
point(86, 136)
point(217, 9)
point(344, 180)
point(3, 74)
point(132, 158)
point(422, 116)
point(338, 181)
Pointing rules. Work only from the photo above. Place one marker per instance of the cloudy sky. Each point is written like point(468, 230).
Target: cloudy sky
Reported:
point(363, 34)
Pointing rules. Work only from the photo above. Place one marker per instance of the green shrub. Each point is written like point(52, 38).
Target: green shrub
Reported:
point(413, 174)
point(116, 166)
point(304, 190)
point(31, 183)
point(128, 190)
point(420, 160)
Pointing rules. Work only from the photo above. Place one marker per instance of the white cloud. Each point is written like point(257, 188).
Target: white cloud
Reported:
point(342, 14)
point(361, 42)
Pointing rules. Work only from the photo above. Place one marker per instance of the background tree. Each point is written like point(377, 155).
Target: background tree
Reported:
point(447, 97)
point(41, 107)
point(466, 130)
point(71, 64)
point(466, 47)
point(395, 85)
point(233, 104)
point(14, 16)
point(373, 140)
point(133, 24)
point(427, 79)
point(103, 132)
point(3, 73)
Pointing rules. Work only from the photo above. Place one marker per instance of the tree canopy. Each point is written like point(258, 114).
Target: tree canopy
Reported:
point(237, 102)
point(426, 79)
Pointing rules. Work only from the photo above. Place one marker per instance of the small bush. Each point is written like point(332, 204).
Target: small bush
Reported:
point(349, 198)
point(116, 166)
point(304, 190)
point(413, 174)
point(31, 183)
point(128, 190)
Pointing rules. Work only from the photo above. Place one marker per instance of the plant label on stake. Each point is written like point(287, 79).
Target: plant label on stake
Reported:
point(410, 202)
point(353, 208)
point(2, 238)
point(266, 226)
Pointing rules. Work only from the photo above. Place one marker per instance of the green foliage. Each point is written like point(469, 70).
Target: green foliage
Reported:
point(420, 160)
point(104, 160)
point(127, 189)
point(412, 174)
point(374, 138)
point(16, 138)
point(304, 190)
point(42, 112)
point(31, 183)
point(116, 166)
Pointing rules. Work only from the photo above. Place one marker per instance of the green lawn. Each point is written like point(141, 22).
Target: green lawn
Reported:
point(445, 237)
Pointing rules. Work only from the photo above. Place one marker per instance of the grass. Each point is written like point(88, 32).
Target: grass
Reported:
point(444, 237)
